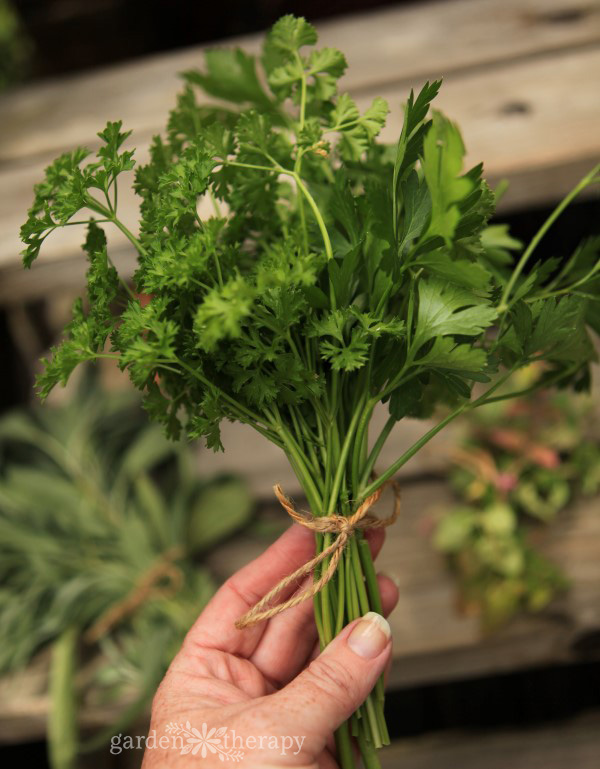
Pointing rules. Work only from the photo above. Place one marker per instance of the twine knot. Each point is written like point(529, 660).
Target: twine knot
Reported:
point(343, 527)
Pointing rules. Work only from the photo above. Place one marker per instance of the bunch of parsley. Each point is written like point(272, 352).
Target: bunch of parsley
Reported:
point(334, 273)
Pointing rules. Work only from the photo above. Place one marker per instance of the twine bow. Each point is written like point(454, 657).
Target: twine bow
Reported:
point(341, 525)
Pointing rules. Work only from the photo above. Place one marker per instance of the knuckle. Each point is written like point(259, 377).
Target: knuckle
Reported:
point(331, 678)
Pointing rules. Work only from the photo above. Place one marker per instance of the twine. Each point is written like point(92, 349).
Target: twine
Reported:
point(341, 525)
point(146, 587)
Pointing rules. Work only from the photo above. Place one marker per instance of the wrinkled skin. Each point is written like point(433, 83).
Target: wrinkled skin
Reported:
point(267, 680)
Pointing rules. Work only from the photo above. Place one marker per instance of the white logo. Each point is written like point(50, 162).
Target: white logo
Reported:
point(204, 741)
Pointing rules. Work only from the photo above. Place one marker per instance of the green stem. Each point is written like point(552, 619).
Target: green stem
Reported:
point(416, 447)
point(337, 481)
point(302, 187)
point(317, 213)
point(376, 450)
point(368, 752)
point(343, 743)
point(95, 205)
point(340, 612)
point(361, 434)
point(63, 736)
point(544, 384)
point(585, 182)
point(326, 609)
point(302, 91)
point(305, 477)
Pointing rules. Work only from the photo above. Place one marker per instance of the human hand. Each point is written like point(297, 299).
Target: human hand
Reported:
point(267, 681)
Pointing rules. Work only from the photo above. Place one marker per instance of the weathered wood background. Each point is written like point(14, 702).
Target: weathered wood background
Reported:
point(521, 78)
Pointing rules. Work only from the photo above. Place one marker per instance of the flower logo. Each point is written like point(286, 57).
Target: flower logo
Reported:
point(204, 741)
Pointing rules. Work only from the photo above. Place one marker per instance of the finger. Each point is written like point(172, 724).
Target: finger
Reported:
point(331, 688)
point(215, 627)
point(375, 538)
point(288, 640)
point(388, 590)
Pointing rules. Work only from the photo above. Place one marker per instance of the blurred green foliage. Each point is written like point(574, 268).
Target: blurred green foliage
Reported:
point(103, 523)
point(15, 47)
point(521, 464)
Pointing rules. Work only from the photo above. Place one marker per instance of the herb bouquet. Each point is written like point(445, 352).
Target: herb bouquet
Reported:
point(334, 273)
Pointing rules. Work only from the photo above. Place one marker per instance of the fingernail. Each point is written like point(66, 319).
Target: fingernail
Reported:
point(370, 636)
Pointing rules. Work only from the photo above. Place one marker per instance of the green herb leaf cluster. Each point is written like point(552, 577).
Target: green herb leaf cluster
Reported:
point(94, 502)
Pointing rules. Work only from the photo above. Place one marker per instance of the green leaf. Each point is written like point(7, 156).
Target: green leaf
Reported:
point(113, 161)
point(559, 330)
point(221, 314)
point(446, 309)
point(348, 356)
point(358, 131)
point(443, 152)
point(414, 128)
point(416, 209)
point(230, 75)
point(291, 33)
point(463, 272)
point(344, 113)
point(327, 60)
point(446, 354)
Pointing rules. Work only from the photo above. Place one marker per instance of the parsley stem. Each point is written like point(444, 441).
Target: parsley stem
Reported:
point(569, 289)
point(304, 475)
point(376, 450)
point(317, 213)
point(337, 480)
point(424, 439)
point(303, 189)
point(302, 90)
point(95, 205)
point(361, 434)
point(244, 410)
point(542, 384)
point(585, 182)
point(393, 469)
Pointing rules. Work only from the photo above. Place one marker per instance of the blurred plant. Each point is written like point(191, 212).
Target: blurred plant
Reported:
point(522, 462)
point(101, 523)
point(15, 47)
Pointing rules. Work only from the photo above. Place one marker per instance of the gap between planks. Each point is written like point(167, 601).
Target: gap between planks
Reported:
point(544, 148)
point(413, 43)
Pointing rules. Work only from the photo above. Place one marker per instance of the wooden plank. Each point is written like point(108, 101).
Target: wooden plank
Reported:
point(533, 115)
point(264, 464)
point(574, 743)
point(412, 43)
point(543, 150)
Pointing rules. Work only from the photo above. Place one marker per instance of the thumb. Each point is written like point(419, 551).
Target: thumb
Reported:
point(331, 688)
